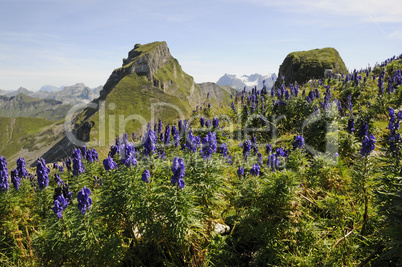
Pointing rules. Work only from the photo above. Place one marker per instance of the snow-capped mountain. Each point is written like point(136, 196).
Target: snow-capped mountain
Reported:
point(248, 81)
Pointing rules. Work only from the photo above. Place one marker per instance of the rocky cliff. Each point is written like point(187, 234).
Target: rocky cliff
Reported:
point(302, 66)
point(150, 85)
point(155, 63)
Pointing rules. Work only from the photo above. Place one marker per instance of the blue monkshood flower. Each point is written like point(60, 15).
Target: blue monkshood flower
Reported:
point(68, 164)
point(22, 171)
point(146, 175)
point(178, 169)
point(287, 95)
point(92, 155)
point(246, 149)
point(273, 162)
point(192, 142)
point(229, 160)
point(202, 121)
point(60, 204)
point(180, 125)
point(223, 150)
point(280, 152)
point(61, 169)
point(84, 151)
point(368, 145)
point(233, 107)
point(254, 146)
point(68, 195)
point(363, 129)
point(255, 170)
point(259, 158)
point(128, 155)
point(57, 179)
point(167, 135)
point(55, 165)
point(174, 130)
point(78, 166)
point(349, 103)
point(215, 123)
point(351, 125)
point(400, 115)
point(160, 126)
point(268, 148)
point(391, 112)
point(161, 153)
point(209, 145)
point(125, 138)
point(117, 143)
point(109, 164)
point(298, 142)
point(84, 201)
point(42, 172)
point(149, 143)
point(15, 179)
point(133, 136)
point(4, 184)
point(113, 150)
point(240, 172)
point(381, 83)
point(176, 139)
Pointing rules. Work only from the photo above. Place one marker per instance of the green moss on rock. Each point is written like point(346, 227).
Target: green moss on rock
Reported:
point(302, 66)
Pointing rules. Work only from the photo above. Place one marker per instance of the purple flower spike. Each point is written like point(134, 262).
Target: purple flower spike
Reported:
point(178, 170)
point(60, 204)
point(146, 175)
point(3, 174)
point(84, 201)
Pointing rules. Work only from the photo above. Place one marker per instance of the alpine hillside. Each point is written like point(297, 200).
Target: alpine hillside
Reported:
point(150, 84)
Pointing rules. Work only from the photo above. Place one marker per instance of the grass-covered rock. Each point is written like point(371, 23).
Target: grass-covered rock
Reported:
point(302, 66)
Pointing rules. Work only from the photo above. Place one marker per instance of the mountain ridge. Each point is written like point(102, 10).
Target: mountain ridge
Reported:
point(247, 81)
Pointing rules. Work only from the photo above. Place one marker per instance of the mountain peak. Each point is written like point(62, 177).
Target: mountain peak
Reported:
point(144, 60)
point(247, 81)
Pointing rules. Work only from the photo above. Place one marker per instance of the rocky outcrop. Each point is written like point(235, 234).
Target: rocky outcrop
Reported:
point(142, 60)
point(300, 67)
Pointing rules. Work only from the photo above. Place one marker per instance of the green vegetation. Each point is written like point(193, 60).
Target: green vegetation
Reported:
point(130, 105)
point(313, 179)
point(18, 133)
point(302, 66)
point(26, 106)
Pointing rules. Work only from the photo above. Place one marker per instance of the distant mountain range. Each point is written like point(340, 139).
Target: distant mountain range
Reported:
point(247, 81)
point(23, 105)
point(77, 93)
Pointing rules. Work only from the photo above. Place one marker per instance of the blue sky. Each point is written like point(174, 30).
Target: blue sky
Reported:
point(69, 41)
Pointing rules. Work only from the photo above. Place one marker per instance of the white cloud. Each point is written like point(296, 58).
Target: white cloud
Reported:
point(396, 34)
point(369, 10)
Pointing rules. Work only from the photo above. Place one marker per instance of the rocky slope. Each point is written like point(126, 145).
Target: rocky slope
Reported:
point(22, 105)
point(150, 85)
point(302, 66)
